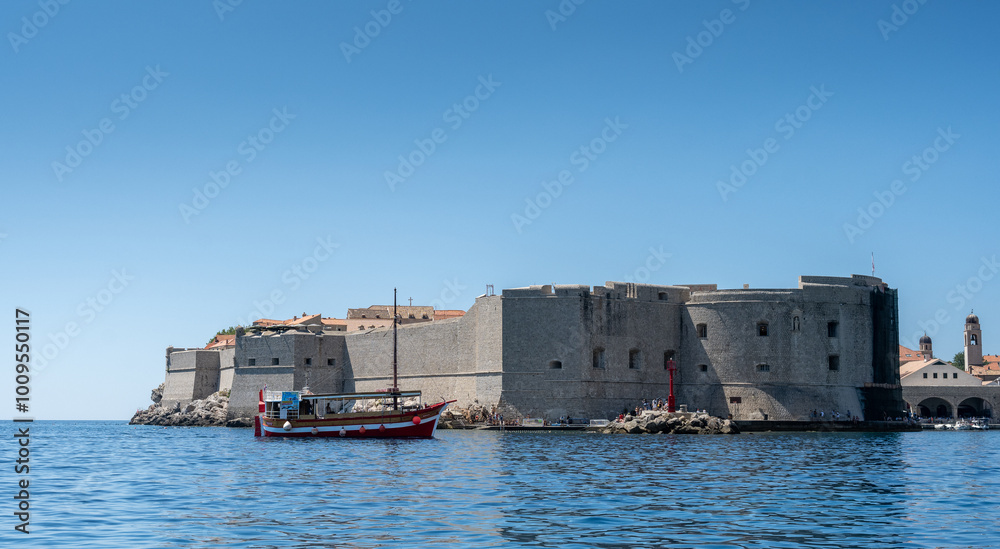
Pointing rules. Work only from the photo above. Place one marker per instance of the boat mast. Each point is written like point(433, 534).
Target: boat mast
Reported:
point(395, 319)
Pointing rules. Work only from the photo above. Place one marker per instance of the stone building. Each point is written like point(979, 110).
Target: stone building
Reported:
point(935, 388)
point(581, 351)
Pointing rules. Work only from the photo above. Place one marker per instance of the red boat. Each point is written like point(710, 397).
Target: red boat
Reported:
point(384, 414)
point(372, 415)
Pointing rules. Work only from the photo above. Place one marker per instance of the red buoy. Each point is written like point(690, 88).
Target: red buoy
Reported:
point(343, 432)
point(362, 430)
point(381, 428)
point(416, 420)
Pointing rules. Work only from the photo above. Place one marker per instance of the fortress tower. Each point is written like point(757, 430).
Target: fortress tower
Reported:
point(926, 352)
point(973, 343)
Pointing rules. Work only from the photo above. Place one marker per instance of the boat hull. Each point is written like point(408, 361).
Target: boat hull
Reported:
point(389, 424)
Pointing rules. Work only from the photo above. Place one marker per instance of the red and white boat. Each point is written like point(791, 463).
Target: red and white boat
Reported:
point(381, 414)
point(359, 415)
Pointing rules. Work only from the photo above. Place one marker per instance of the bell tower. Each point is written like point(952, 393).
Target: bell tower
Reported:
point(926, 350)
point(973, 343)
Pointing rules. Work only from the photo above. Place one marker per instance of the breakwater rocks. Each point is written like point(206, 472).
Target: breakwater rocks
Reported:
point(208, 412)
point(681, 423)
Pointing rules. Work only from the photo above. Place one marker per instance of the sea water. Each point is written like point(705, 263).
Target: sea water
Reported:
point(109, 485)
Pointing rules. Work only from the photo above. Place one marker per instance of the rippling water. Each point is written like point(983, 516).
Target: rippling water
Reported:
point(106, 484)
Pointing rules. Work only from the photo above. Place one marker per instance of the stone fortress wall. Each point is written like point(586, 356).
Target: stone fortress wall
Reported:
point(580, 351)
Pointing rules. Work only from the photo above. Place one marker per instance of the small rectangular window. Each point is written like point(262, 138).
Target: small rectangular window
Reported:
point(555, 364)
point(252, 362)
point(925, 375)
point(635, 359)
point(703, 367)
point(831, 329)
point(309, 362)
point(954, 376)
point(599, 358)
point(702, 330)
point(763, 367)
point(274, 362)
point(762, 329)
point(935, 375)
point(834, 363)
point(331, 362)
point(735, 400)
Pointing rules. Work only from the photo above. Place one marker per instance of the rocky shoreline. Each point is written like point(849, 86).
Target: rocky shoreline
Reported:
point(208, 412)
point(678, 423)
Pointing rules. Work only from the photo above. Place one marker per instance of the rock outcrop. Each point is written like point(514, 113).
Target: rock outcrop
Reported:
point(209, 412)
point(673, 423)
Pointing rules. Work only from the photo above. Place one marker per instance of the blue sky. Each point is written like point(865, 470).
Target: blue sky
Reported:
point(310, 118)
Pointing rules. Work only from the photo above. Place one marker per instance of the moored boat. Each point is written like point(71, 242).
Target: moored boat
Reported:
point(366, 415)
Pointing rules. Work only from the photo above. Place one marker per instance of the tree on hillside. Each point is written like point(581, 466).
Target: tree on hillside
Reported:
point(959, 360)
point(228, 331)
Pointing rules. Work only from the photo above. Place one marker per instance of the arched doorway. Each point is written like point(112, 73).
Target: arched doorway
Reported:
point(934, 407)
point(973, 407)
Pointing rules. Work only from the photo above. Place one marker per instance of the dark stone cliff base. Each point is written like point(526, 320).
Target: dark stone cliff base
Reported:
point(209, 412)
point(678, 423)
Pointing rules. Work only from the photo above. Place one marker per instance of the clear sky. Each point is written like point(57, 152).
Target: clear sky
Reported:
point(171, 167)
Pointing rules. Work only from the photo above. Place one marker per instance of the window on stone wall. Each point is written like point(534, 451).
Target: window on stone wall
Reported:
point(702, 330)
point(763, 367)
point(599, 358)
point(954, 376)
point(663, 296)
point(424, 316)
point(309, 362)
point(331, 362)
point(925, 375)
point(831, 329)
point(274, 362)
point(762, 329)
point(735, 400)
point(635, 359)
point(668, 355)
point(935, 375)
point(555, 365)
point(972, 339)
point(834, 363)
point(252, 362)
point(703, 367)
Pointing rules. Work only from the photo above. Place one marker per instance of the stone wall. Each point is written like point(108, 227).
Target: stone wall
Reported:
point(191, 375)
point(573, 350)
point(448, 359)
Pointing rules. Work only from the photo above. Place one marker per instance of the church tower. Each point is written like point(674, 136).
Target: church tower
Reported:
point(926, 352)
point(973, 343)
